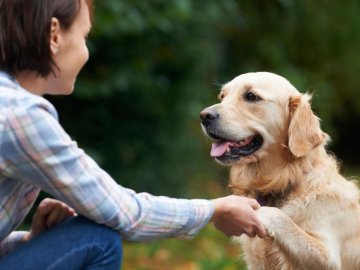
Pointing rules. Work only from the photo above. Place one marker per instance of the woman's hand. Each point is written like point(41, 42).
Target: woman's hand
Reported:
point(235, 215)
point(49, 213)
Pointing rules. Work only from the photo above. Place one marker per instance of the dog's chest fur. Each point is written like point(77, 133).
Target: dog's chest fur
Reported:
point(265, 254)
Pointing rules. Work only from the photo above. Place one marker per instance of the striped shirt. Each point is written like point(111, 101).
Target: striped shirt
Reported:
point(37, 154)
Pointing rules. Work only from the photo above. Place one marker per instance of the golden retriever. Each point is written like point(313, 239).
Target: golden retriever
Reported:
point(265, 130)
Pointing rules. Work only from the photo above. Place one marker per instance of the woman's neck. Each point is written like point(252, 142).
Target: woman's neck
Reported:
point(32, 82)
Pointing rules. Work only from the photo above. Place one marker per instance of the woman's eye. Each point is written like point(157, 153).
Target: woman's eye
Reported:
point(250, 96)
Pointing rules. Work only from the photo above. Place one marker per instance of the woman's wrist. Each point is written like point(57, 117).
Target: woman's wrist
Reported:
point(218, 209)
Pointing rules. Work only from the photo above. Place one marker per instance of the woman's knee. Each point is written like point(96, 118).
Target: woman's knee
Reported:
point(104, 242)
point(92, 230)
point(76, 243)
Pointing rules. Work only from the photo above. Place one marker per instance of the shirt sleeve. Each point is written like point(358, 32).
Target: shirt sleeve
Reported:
point(11, 242)
point(38, 150)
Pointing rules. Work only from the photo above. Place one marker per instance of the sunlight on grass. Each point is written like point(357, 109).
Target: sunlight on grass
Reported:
point(210, 250)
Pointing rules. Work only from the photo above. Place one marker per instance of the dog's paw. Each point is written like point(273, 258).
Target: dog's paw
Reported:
point(271, 218)
point(269, 215)
point(269, 233)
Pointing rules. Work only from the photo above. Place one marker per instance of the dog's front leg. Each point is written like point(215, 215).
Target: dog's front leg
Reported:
point(306, 249)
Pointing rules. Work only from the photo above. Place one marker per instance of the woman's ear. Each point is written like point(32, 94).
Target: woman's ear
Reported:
point(304, 130)
point(55, 36)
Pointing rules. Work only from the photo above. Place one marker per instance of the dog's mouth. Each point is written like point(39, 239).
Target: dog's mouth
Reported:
point(229, 151)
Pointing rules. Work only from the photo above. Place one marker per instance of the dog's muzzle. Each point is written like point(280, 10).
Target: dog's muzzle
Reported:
point(208, 116)
point(226, 149)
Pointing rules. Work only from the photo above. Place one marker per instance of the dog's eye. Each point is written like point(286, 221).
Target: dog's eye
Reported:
point(251, 97)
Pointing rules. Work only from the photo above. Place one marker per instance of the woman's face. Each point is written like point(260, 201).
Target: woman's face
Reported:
point(71, 54)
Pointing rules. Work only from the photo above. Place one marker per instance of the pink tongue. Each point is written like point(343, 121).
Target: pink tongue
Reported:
point(219, 148)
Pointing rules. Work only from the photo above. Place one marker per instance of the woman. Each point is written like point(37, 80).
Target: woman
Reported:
point(42, 49)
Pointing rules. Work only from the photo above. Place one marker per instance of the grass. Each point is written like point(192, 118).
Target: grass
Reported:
point(209, 250)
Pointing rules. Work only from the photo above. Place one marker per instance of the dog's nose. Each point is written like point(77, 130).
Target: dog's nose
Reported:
point(208, 115)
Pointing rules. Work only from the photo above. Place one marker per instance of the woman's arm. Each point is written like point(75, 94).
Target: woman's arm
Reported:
point(37, 150)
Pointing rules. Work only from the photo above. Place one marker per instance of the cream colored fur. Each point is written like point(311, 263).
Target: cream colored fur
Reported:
point(313, 217)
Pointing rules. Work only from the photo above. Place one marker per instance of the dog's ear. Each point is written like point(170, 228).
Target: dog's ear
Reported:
point(304, 132)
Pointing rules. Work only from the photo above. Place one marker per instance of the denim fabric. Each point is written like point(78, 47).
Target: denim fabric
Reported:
point(75, 244)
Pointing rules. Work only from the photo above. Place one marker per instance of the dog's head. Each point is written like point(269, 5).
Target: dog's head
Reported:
point(261, 114)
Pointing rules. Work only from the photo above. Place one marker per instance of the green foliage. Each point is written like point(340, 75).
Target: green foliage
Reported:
point(141, 93)
point(210, 250)
point(155, 64)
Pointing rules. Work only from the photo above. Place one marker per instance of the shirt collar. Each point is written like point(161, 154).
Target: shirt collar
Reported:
point(7, 76)
point(8, 79)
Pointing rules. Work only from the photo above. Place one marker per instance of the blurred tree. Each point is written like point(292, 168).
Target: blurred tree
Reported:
point(315, 44)
point(137, 102)
point(155, 64)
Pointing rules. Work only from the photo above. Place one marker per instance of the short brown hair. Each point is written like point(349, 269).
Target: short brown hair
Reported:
point(25, 32)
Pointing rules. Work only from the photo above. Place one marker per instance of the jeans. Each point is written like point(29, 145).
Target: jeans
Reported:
point(75, 244)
